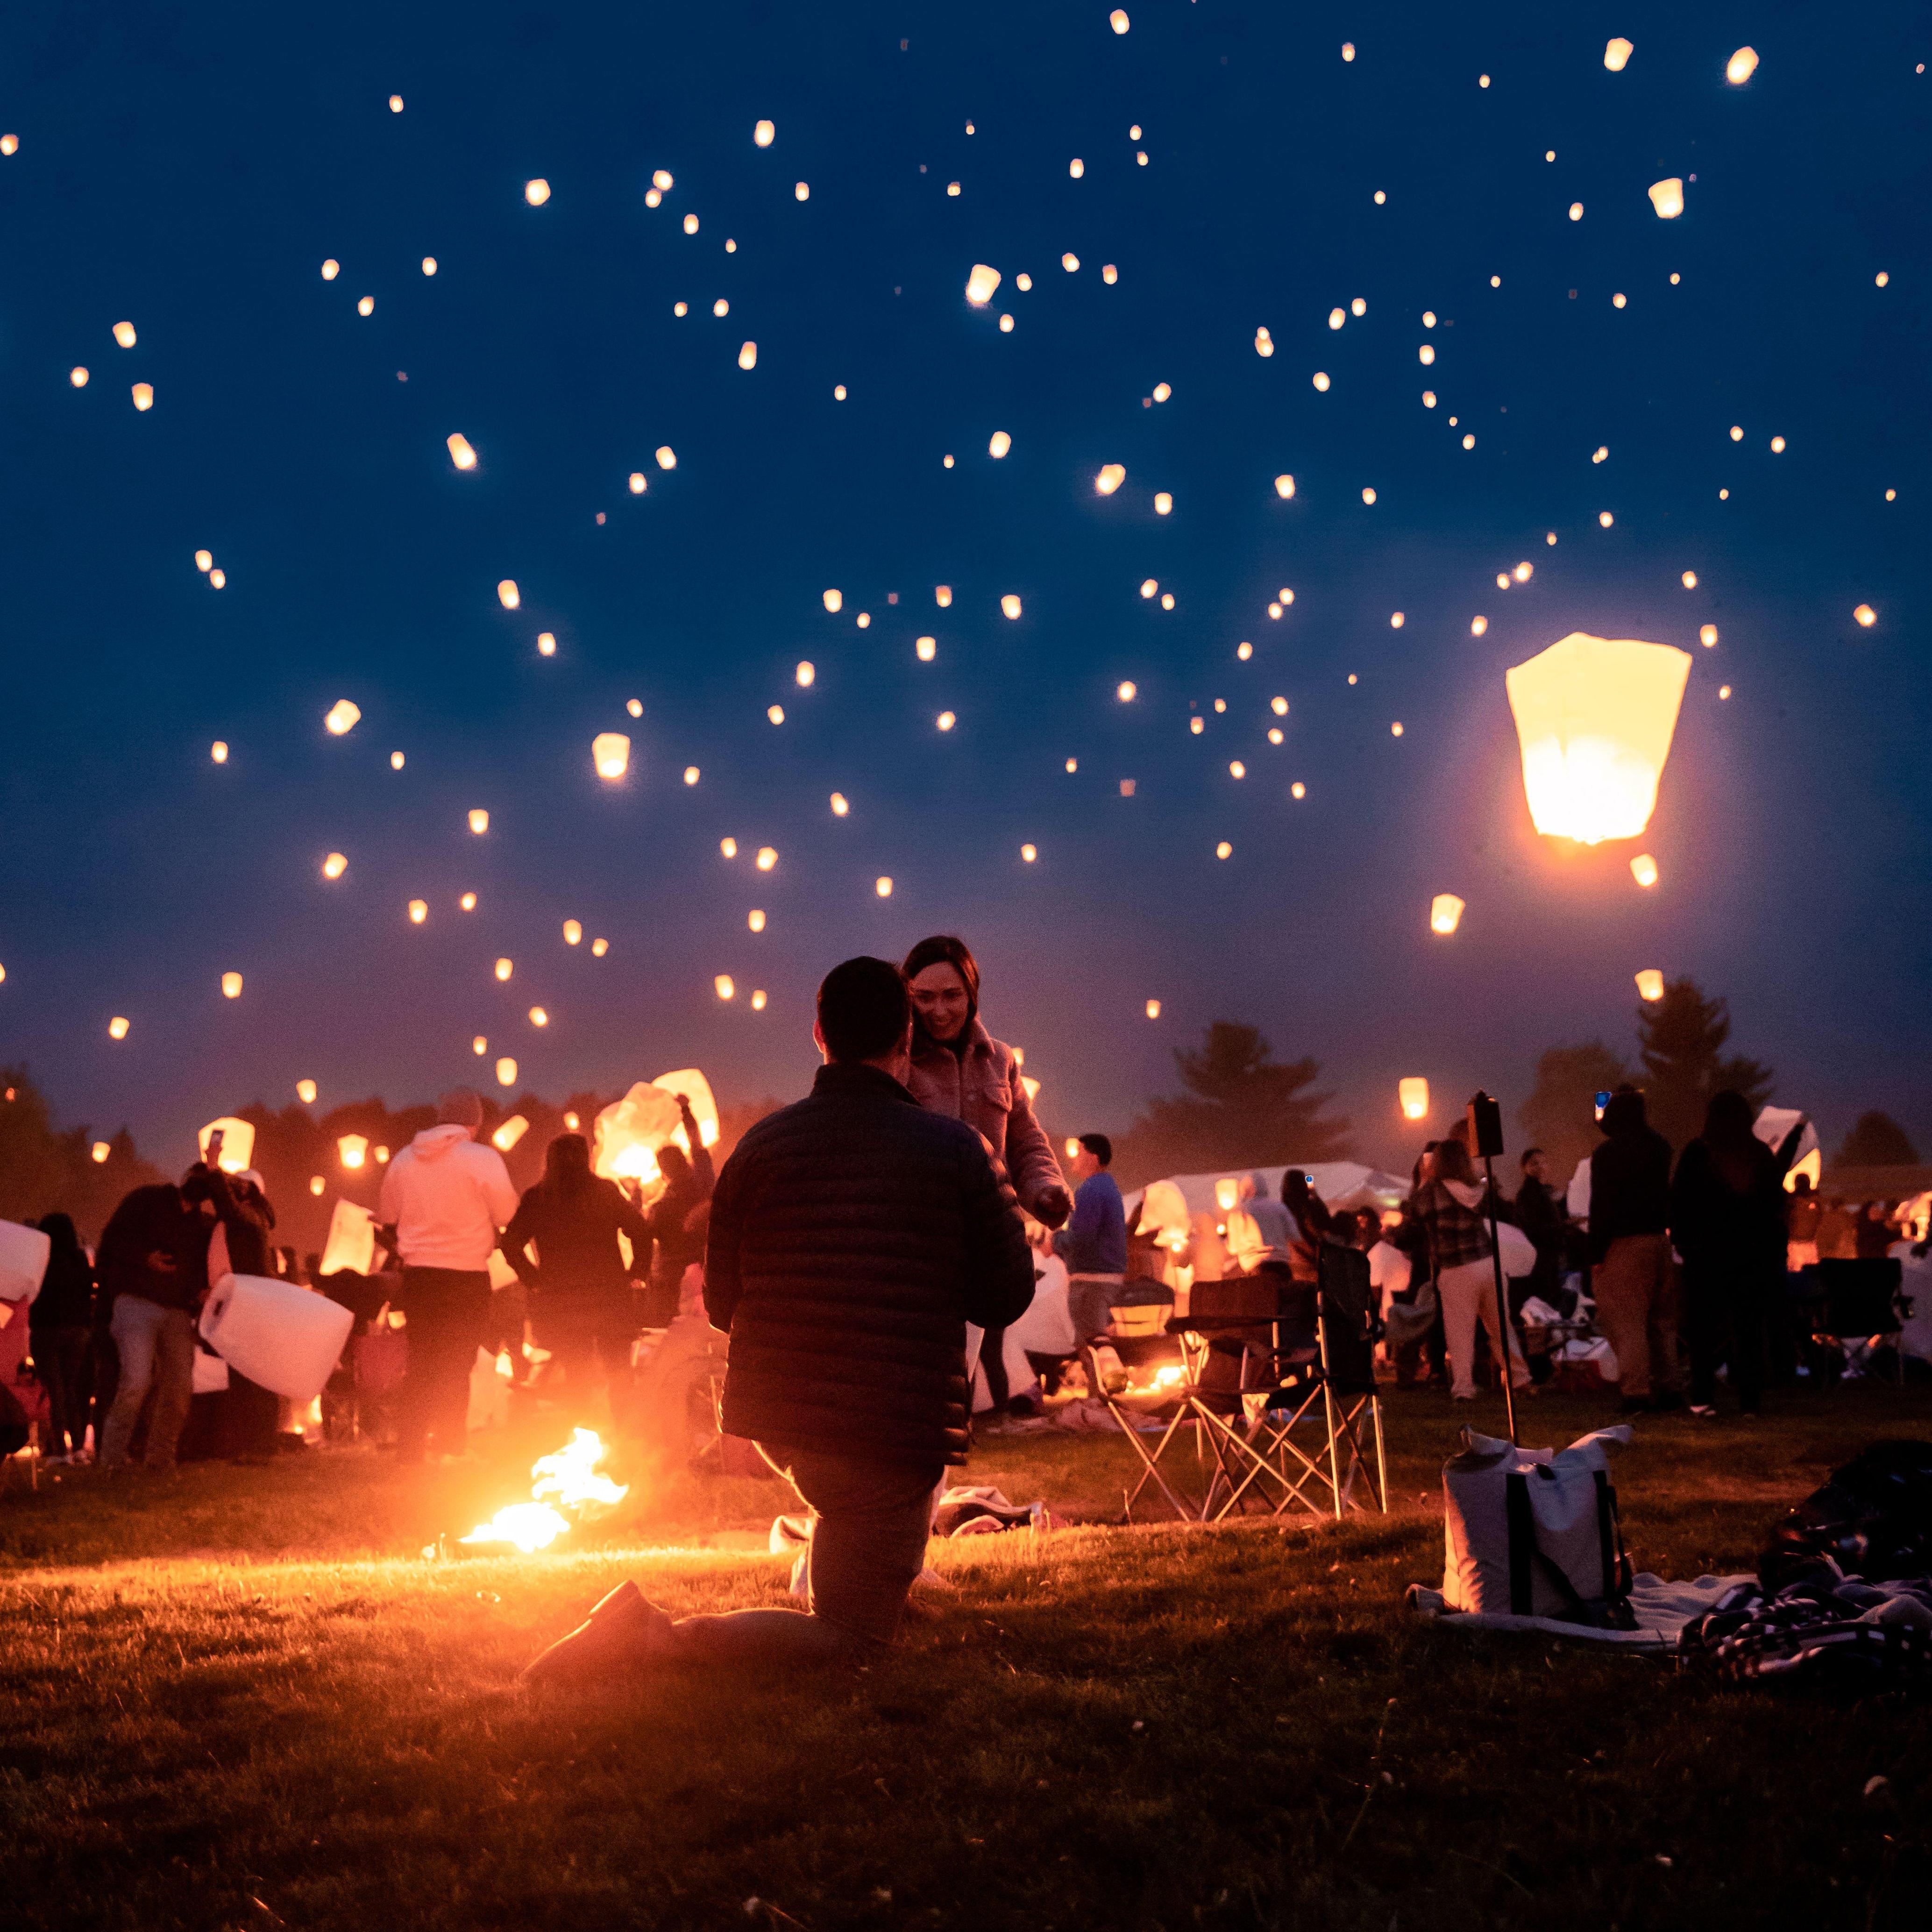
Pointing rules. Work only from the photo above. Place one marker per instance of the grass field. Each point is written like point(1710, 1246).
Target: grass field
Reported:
point(246, 1700)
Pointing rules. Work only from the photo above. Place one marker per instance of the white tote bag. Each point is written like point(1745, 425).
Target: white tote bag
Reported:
point(1532, 1533)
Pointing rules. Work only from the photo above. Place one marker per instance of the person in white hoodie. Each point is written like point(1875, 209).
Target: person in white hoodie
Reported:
point(447, 1198)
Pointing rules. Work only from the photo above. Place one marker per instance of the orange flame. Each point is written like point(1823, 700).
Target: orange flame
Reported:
point(568, 1479)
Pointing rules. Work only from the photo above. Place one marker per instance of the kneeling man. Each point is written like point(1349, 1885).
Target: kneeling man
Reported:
point(853, 1236)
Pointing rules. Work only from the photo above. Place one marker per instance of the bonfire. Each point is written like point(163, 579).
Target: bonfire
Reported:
point(566, 1479)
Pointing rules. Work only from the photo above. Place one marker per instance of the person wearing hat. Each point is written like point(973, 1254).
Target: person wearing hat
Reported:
point(447, 1197)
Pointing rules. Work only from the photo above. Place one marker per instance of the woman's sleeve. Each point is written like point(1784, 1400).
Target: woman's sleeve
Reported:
point(517, 1237)
point(1028, 1153)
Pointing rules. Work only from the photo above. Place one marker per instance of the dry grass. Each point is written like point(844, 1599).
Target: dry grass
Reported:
point(247, 1700)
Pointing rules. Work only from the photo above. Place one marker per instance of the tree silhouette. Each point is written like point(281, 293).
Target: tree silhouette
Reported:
point(1558, 1117)
point(1876, 1140)
point(44, 1167)
point(1242, 1109)
point(1681, 1038)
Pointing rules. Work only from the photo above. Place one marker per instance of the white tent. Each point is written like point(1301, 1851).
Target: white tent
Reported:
point(1342, 1184)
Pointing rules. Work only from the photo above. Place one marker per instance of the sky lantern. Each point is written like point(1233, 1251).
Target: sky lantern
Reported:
point(1111, 476)
point(775, 713)
point(599, 947)
point(353, 1150)
point(691, 775)
point(537, 192)
point(806, 671)
point(204, 560)
point(1163, 503)
point(840, 804)
point(505, 967)
point(468, 901)
point(1127, 691)
point(835, 601)
point(144, 395)
point(755, 920)
point(117, 1028)
point(666, 457)
point(1741, 66)
point(218, 751)
point(429, 265)
point(723, 987)
point(1866, 617)
point(610, 752)
point(882, 887)
point(507, 595)
point(1643, 869)
point(942, 594)
point(999, 444)
point(981, 283)
point(1667, 198)
point(334, 866)
point(1264, 343)
point(231, 985)
point(1117, 19)
point(77, 376)
point(747, 355)
point(1595, 718)
point(238, 1143)
point(1650, 984)
point(1617, 53)
point(546, 643)
point(100, 1150)
point(511, 1131)
point(767, 858)
point(539, 1017)
point(573, 932)
point(460, 454)
point(1010, 604)
point(1707, 635)
point(305, 1092)
point(419, 911)
point(925, 649)
point(1070, 263)
point(1153, 1009)
point(123, 334)
point(1412, 1092)
point(762, 134)
point(1284, 488)
point(506, 1072)
point(479, 824)
point(1445, 913)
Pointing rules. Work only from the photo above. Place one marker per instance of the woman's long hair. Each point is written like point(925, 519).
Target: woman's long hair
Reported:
point(1729, 1137)
point(567, 1167)
point(63, 1239)
point(943, 949)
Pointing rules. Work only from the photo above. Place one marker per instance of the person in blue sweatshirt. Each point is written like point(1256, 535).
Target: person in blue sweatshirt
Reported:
point(1094, 1243)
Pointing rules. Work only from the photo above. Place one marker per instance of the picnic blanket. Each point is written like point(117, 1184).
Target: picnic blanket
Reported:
point(1843, 1631)
point(1662, 1610)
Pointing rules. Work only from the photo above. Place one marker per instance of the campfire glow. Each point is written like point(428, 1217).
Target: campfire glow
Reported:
point(567, 1480)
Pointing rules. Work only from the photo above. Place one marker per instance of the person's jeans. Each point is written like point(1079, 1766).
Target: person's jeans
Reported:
point(156, 1346)
point(449, 1312)
point(60, 1360)
point(1090, 1304)
point(870, 1521)
point(1636, 1288)
point(1468, 1293)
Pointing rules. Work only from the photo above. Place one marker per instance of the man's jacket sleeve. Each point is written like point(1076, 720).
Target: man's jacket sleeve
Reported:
point(722, 1284)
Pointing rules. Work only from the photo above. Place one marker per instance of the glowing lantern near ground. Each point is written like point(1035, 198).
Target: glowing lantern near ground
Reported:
point(340, 717)
point(238, 1142)
point(507, 1135)
point(144, 395)
point(981, 283)
point(305, 1090)
point(460, 454)
point(231, 985)
point(573, 932)
point(1595, 718)
point(353, 1150)
point(1616, 55)
point(537, 192)
point(506, 1073)
point(1111, 476)
point(1010, 604)
point(1741, 66)
point(610, 752)
point(117, 1028)
point(1445, 913)
point(1650, 984)
point(1667, 198)
point(479, 824)
point(1413, 1094)
point(507, 595)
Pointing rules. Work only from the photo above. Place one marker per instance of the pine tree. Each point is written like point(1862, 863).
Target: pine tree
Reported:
point(44, 1167)
point(1558, 1117)
point(1681, 1038)
point(1876, 1140)
point(1242, 1109)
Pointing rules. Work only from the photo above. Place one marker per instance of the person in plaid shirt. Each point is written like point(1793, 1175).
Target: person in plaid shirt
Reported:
point(1448, 1204)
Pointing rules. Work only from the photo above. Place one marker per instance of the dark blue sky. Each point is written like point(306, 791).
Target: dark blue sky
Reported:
point(190, 170)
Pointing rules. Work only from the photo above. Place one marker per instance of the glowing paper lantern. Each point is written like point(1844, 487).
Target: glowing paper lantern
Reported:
point(77, 376)
point(1865, 615)
point(665, 456)
point(460, 454)
point(925, 649)
point(479, 1046)
point(353, 1150)
point(507, 595)
point(9, 144)
point(334, 866)
point(1111, 476)
point(840, 805)
point(123, 334)
point(573, 932)
point(1741, 66)
point(144, 395)
point(238, 1143)
point(1153, 1009)
point(762, 134)
point(507, 1135)
point(468, 901)
point(1643, 869)
point(100, 1150)
point(599, 947)
point(801, 191)
point(506, 1073)
point(1010, 604)
point(755, 919)
point(1650, 984)
point(1126, 691)
point(366, 306)
point(1445, 913)
point(981, 283)
point(505, 967)
point(539, 1017)
point(723, 986)
point(429, 265)
point(1284, 488)
point(1264, 343)
point(1413, 1094)
point(1707, 634)
point(117, 1028)
point(537, 192)
point(1029, 853)
point(999, 444)
point(1070, 263)
point(1616, 55)
point(479, 824)
point(767, 858)
point(1224, 850)
point(1667, 198)
point(546, 644)
point(610, 752)
point(1163, 503)
point(835, 601)
point(305, 1092)
point(218, 751)
point(1595, 718)
point(942, 594)
point(1117, 19)
point(775, 712)
point(231, 985)
point(747, 355)
point(882, 887)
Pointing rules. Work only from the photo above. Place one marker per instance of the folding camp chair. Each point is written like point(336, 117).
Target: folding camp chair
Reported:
point(1856, 1301)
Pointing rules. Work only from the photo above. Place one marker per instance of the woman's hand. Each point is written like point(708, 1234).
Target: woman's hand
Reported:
point(1054, 1206)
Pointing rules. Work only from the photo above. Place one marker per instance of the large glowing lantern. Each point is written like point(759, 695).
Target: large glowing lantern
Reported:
point(507, 1135)
point(238, 1143)
point(1667, 198)
point(629, 1133)
point(1594, 717)
point(1650, 984)
point(981, 283)
point(341, 716)
point(1617, 53)
point(352, 1240)
point(1741, 66)
point(1413, 1094)
point(1445, 913)
point(353, 1150)
point(460, 453)
point(610, 751)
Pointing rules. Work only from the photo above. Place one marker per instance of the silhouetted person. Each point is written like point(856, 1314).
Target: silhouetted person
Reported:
point(853, 1236)
point(580, 1285)
point(58, 1326)
point(447, 1197)
point(246, 1414)
point(1727, 1222)
point(677, 1219)
point(1633, 1280)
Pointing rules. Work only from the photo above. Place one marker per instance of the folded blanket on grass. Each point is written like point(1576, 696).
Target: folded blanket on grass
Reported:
point(1662, 1610)
point(1822, 1626)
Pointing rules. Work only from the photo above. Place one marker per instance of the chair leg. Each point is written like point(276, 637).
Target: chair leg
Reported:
point(1381, 1460)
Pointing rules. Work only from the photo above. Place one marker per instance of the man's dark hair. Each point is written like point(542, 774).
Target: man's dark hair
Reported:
point(1528, 1155)
point(863, 1008)
point(1100, 1147)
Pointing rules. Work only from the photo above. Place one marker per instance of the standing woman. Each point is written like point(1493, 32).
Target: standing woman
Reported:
point(959, 1068)
point(580, 1287)
point(1727, 1221)
point(1449, 1205)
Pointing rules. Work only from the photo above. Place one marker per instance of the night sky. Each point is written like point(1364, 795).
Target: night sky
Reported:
point(190, 170)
